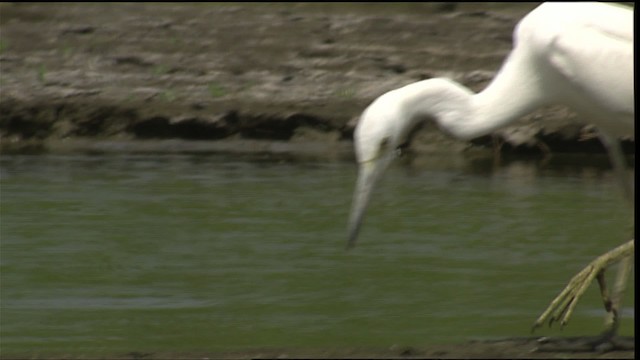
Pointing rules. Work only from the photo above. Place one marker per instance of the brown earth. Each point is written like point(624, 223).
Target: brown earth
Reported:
point(102, 77)
point(514, 348)
point(284, 78)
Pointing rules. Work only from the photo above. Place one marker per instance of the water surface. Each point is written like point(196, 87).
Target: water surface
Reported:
point(115, 253)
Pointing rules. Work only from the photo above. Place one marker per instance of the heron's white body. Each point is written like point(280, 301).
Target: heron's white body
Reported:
point(574, 54)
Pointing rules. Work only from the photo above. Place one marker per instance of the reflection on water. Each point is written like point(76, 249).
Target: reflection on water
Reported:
point(108, 254)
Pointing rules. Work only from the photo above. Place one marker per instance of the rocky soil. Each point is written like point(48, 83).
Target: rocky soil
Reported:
point(243, 77)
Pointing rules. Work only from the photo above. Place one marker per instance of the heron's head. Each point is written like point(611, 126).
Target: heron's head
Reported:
point(391, 120)
point(376, 138)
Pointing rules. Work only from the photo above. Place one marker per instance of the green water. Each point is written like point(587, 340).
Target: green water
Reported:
point(118, 253)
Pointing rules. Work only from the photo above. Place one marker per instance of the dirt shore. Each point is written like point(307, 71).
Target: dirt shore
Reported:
point(514, 348)
point(267, 77)
point(77, 75)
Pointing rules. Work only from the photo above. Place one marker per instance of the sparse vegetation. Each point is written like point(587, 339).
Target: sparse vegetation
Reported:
point(168, 95)
point(160, 69)
point(345, 92)
point(216, 90)
point(41, 73)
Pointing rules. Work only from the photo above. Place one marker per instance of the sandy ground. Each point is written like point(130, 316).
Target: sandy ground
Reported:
point(286, 78)
point(514, 348)
point(77, 76)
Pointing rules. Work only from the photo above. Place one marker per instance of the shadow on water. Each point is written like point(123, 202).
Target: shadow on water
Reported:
point(582, 166)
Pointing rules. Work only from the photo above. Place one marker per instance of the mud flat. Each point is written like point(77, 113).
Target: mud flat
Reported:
point(76, 75)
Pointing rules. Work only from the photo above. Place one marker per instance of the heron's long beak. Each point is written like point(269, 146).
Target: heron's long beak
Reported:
point(368, 175)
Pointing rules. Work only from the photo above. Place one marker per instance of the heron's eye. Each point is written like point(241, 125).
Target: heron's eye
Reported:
point(383, 147)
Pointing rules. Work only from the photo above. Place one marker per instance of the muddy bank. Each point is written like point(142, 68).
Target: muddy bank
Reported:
point(511, 348)
point(76, 73)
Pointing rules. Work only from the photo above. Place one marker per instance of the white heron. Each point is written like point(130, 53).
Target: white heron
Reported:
point(575, 54)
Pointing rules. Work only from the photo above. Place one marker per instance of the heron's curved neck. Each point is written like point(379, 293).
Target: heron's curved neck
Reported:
point(465, 114)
